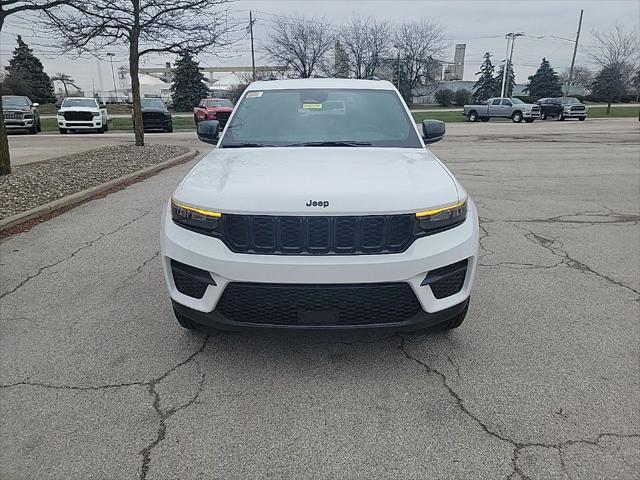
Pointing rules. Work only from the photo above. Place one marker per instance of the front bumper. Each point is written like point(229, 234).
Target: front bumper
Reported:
point(578, 114)
point(531, 114)
point(94, 124)
point(24, 124)
point(411, 267)
point(156, 124)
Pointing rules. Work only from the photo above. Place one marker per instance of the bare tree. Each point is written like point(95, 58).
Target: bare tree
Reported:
point(616, 53)
point(143, 27)
point(582, 76)
point(300, 43)
point(366, 41)
point(65, 80)
point(419, 46)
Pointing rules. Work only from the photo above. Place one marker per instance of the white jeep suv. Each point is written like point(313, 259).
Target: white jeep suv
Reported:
point(321, 208)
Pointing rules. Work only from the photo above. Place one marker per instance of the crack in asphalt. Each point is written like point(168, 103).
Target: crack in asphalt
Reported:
point(151, 387)
point(565, 259)
point(86, 245)
point(517, 445)
point(164, 415)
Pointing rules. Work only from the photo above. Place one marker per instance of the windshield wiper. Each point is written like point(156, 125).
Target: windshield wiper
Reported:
point(331, 143)
point(245, 145)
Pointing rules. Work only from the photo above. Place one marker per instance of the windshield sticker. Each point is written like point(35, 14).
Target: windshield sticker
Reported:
point(254, 94)
point(312, 106)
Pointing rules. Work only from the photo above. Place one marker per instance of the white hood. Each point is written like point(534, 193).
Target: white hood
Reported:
point(79, 109)
point(354, 180)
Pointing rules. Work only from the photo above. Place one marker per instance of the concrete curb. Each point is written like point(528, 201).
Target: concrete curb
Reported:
point(84, 195)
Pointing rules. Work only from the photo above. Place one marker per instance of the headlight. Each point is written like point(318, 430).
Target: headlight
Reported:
point(96, 114)
point(201, 220)
point(438, 219)
point(167, 114)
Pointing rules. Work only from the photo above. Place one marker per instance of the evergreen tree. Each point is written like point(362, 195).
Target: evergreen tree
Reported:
point(545, 82)
point(510, 80)
point(187, 88)
point(486, 85)
point(24, 66)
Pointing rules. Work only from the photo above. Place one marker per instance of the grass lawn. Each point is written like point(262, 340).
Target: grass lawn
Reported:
point(179, 123)
point(594, 112)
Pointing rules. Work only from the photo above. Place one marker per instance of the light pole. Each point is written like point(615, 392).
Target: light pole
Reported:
point(508, 57)
point(115, 89)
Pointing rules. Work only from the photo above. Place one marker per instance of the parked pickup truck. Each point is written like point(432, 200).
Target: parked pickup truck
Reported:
point(562, 108)
point(20, 113)
point(512, 108)
point(213, 109)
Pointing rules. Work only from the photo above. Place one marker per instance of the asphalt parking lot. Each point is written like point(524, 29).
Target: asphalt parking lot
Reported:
point(541, 382)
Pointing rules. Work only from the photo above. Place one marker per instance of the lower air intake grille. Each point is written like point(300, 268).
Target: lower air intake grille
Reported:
point(186, 279)
point(451, 279)
point(348, 304)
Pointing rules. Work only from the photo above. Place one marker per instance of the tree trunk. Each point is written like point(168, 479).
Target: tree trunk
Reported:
point(134, 61)
point(5, 159)
point(609, 107)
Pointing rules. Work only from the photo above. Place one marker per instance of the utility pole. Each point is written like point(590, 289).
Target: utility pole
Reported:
point(115, 88)
point(508, 60)
point(573, 59)
point(508, 36)
point(398, 70)
point(253, 55)
point(100, 79)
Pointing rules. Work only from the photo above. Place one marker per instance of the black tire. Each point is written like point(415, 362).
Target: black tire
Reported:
point(39, 126)
point(188, 324)
point(100, 130)
point(543, 116)
point(473, 116)
point(450, 324)
point(529, 120)
point(516, 117)
point(63, 131)
point(169, 129)
point(560, 117)
point(105, 127)
point(33, 130)
point(456, 321)
point(184, 321)
point(582, 119)
point(484, 119)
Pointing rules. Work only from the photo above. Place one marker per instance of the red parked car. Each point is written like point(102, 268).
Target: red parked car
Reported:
point(213, 109)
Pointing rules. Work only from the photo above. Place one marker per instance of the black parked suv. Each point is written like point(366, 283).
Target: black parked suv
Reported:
point(20, 113)
point(561, 108)
point(155, 115)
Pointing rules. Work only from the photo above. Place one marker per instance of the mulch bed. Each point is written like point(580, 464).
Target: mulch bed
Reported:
point(35, 184)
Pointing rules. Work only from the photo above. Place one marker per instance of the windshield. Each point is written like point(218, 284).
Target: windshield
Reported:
point(321, 117)
point(516, 101)
point(152, 102)
point(219, 102)
point(14, 102)
point(79, 102)
point(569, 101)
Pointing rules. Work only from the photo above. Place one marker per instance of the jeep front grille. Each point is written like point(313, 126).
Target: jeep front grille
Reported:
point(318, 235)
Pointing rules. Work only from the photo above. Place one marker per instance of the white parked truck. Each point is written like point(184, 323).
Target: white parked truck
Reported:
point(82, 113)
point(504, 107)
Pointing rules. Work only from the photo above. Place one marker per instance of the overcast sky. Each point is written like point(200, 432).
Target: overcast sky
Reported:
point(479, 24)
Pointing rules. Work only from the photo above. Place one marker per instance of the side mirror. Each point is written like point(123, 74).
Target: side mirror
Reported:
point(432, 131)
point(35, 105)
point(208, 131)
